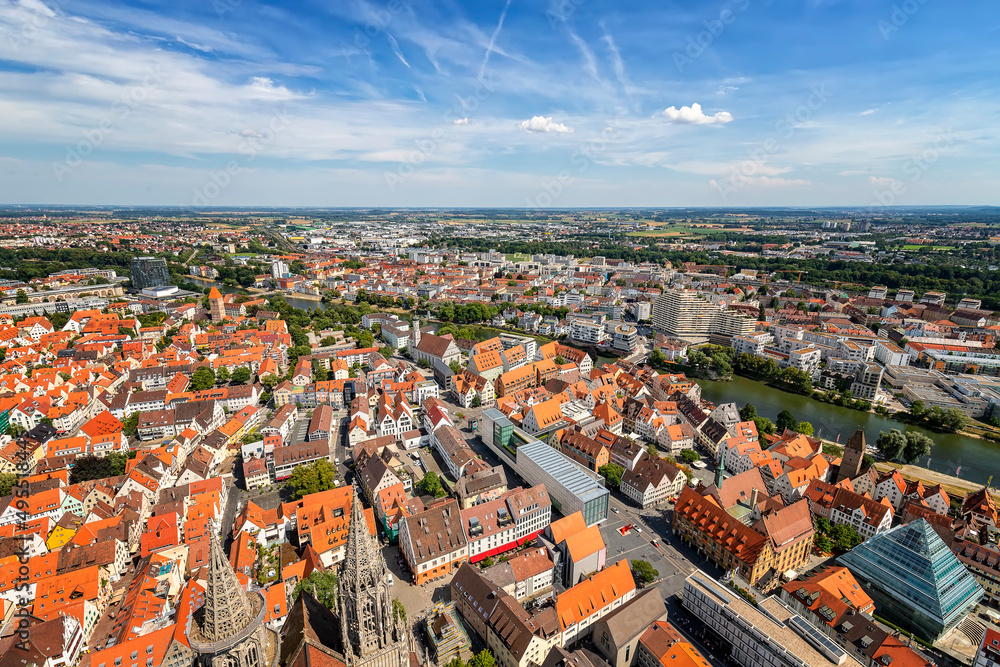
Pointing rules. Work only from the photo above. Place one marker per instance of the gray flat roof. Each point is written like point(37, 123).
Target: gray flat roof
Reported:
point(562, 470)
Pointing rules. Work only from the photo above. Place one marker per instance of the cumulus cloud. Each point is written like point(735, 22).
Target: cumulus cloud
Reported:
point(544, 124)
point(693, 115)
point(460, 121)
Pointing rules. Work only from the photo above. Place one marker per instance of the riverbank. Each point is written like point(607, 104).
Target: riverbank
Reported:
point(304, 297)
point(977, 458)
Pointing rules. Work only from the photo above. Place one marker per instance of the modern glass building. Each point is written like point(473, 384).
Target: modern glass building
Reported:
point(571, 487)
point(914, 579)
point(149, 272)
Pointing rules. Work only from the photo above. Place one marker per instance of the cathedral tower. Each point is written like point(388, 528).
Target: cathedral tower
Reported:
point(372, 633)
point(229, 631)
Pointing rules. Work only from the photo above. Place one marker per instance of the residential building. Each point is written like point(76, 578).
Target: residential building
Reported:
point(433, 542)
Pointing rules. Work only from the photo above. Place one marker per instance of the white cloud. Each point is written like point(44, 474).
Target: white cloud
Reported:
point(764, 182)
point(544, 124)
point(882, 181)
point(868, 112)
point(693, 115)
point(460, 121)
point(725, 90)
point(493, 39)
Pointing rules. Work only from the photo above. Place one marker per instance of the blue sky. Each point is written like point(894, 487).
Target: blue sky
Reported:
point(500, 102)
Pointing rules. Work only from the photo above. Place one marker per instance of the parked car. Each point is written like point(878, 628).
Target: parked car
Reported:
point(615, 510)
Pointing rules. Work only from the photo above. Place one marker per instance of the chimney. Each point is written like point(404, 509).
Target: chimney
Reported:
point(753, 498)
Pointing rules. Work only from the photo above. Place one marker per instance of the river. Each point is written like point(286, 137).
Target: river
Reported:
point(978, 458)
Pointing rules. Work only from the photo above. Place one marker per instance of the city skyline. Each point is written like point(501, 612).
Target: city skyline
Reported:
point(578, 103)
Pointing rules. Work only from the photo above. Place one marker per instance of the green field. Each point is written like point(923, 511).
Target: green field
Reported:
point(666, 230)
point(518, 257)
point(928, 247)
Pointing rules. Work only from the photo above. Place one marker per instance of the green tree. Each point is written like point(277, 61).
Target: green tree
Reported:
point(786, 420)
point(823, 543)
point(203, 378)
point(764, 425)
point(322, 586)
point(652, 450)
point(483, 659)
point(891, 444)
point(242, 375)
point(131, 424)
point(644, 572)
point(657, 358)
point(954, 420)
point(476, 401)
point(917, 446)
point(313, 478)
point(366, 339)
point(690, 456)
point(431, 485)
point(22, 296)
point(805, 428)
point(222, 375)
point(612, 472)
point(748, 412)
point(7, 482)
point(845, 537)
point(398, 610)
